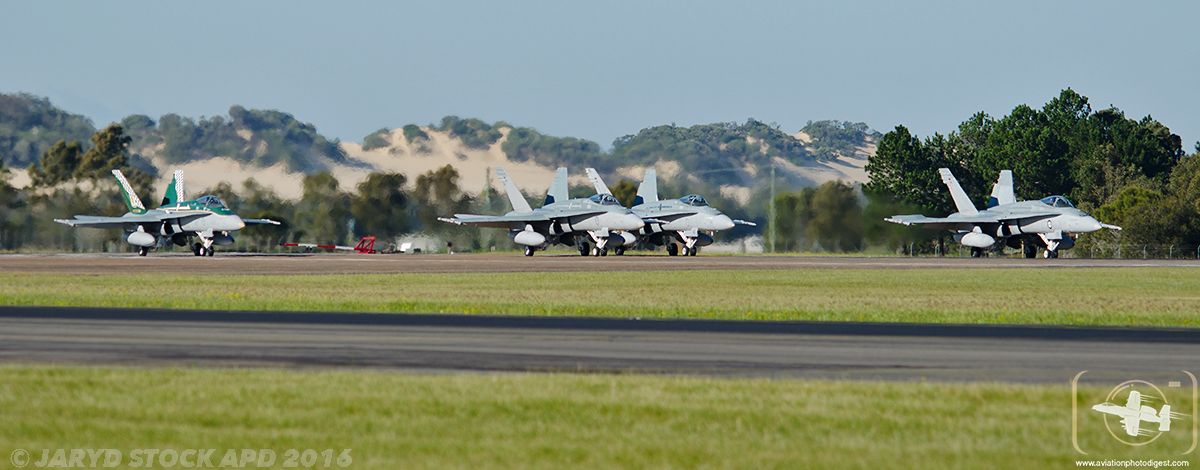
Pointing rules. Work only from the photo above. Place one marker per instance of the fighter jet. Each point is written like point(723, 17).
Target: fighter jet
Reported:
point(1133, 413)
point(1045, 223)
point(560, 220)
point(175, 220)
point(684, 219)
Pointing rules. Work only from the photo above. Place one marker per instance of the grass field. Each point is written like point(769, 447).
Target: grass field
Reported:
point(558, 421)
point(1125, 296)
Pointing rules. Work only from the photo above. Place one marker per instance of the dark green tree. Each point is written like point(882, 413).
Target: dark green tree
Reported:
point(438, 195)
point(377, 139)
point(380, 207)
point(625, 191)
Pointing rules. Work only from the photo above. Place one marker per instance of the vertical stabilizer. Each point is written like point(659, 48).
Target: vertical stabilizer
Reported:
point(1002, 192)
point(648, 190)
point(960, 197)
point(558, 188)
point(131, 199)
point(594, 177)
point(174, 191)
point(518, 201)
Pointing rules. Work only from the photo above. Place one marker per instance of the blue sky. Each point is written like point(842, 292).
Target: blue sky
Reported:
point(600, 70)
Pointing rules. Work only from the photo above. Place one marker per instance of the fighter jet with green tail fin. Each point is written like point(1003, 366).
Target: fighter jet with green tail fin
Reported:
point(174, 221)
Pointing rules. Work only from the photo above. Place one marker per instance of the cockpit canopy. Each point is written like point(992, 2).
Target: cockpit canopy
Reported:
point(1057, 201)
point(694, 200)
point(211, 202)
point(605, 200)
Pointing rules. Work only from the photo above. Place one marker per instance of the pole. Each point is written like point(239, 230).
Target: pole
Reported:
point(771, 213)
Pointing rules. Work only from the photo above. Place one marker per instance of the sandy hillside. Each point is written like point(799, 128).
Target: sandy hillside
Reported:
point(475, 167)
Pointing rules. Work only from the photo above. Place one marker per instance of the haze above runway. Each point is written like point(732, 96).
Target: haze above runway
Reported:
point(306, 263)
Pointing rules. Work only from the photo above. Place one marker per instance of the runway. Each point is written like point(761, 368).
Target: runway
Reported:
point(473, 344)
point(302, 263)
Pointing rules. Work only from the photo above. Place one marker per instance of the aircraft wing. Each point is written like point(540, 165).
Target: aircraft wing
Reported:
point(501, 221)
point(1132, 426)
point(262, 221)
point(110, 222)
point(953, 220)
point(669, 215)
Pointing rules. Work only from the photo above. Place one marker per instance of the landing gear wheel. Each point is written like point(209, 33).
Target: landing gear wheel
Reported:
point(620, 250)
point(672, 249)
point(197, 249)
point(583, 249)
point(693, 251)
point(143, 250)
point(1050, 254)
point(529, 251)
point(209, 251)
point(976, 252)
point(595, 251)
point(604, 251)
point(1030, 250)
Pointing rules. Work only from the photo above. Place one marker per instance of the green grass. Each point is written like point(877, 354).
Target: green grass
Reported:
point(1121, 296)
point(555, 421)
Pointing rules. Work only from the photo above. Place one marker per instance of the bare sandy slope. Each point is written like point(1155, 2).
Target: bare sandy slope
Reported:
point(475, 168)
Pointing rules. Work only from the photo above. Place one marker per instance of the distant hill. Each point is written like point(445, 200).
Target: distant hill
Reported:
point(29, 125)
point(276, 149)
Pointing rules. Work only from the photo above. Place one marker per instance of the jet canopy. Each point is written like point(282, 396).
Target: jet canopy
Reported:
point(694, 200)
point(1057, 201)
point(605, 200)
point(211, 202)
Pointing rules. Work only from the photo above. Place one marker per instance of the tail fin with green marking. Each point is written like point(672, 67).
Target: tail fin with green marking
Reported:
point(174, 191)
point(131, 199)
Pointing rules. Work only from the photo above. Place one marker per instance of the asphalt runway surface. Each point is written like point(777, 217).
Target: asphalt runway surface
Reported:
point(344, 263)
point(472, 344)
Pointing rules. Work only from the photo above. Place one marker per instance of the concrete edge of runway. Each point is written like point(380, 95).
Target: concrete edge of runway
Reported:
point(1053, 332)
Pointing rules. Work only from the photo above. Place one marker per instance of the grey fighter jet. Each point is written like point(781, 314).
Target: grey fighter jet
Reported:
point(684, 219)
point(175, 221)
point(1045, 224)
point(560, 220)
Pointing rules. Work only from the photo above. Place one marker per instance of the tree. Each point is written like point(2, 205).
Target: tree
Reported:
point(625, 192)
point(380, 207)
point(58, 164)
point(905, 169)
point(323, 212)
point(375, 140)
point(438, 195)
point(109, 151)
point(835, 222)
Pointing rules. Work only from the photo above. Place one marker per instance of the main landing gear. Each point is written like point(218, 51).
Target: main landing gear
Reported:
point(529, 251)
point(143, 250)
point(1050, 254)
point(674, 249)
point(200, 250)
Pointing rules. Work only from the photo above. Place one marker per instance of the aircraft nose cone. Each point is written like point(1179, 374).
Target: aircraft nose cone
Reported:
point(1090, 224)
point(721, 222)
point(632, 222)
point(237, 222)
